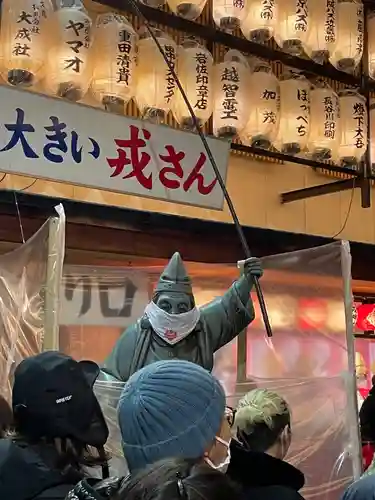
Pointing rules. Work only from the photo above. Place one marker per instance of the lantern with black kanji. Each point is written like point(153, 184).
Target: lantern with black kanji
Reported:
point(293, 25)
point(231, 95)
point(155, 4)
point(68, 69)
point(260, 20)
point(294, 122)
point(114, 53)
point(188, 10)
point(324, 136)
point(194, 69)
point(228, 14)
point(263, 112)
point(371, 44)
point(353, 128)
point(155, 86)
point(23, 40)
point(348, 49)
point(372, 135)
point(323, 27)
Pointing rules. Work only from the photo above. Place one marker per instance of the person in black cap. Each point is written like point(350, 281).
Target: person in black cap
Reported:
point(6, 417)
point(58, 424)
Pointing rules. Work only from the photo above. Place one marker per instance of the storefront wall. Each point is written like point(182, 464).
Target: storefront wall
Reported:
point(255, 187)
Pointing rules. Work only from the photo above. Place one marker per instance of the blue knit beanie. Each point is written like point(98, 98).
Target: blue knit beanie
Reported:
point(169, 409)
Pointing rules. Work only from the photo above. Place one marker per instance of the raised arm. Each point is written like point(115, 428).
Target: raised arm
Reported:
point(228, 315)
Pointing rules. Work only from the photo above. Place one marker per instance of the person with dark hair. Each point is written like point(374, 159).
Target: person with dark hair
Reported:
point(168, 479)
point(263, 426)
point(174, 408)
point(59, 428)
point(367, 416)
point(367, 426)
point(6, 417)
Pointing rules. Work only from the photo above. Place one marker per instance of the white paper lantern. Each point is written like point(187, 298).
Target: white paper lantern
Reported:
point(23, 40)
point(228, 14)
point(261, 18)
point(155, 87)
point(324, 136)
point(263, 112)
point(372, 135)
point(68, 70)
point(371, 44)
point(231, 95)
point(348, 50)
point(294, 122)
point(292, 28)
point(155, 4)
point(195, 71)
point(323, 27)
point(188, 10)
point(353, 128)
point(114, 53)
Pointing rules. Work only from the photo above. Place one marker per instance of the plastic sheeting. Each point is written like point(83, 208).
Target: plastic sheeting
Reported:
point(99, 302)
point(29, 285)
point(309, 360)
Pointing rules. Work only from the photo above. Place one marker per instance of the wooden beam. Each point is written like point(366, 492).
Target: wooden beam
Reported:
point(117, 232)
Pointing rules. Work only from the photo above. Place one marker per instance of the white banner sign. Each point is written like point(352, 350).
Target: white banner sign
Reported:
point(102, 296)
point(51, 139)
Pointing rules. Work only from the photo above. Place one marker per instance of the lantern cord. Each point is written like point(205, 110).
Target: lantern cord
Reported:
point(348, 211)
point(218, 175)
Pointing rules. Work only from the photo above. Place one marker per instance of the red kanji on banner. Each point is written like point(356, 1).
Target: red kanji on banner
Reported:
point(171, 174)
point(195, 175)
point(138, 160)
point(174, 159)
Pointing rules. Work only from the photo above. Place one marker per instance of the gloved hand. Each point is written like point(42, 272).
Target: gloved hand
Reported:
point(251, 267)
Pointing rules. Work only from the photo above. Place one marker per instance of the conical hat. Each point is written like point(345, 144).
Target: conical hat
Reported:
point(174, 277)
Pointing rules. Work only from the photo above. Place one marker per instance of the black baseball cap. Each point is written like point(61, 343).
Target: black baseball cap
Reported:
point(53, 397)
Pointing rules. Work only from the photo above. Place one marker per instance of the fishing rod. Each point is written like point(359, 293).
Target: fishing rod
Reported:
point(218, 175)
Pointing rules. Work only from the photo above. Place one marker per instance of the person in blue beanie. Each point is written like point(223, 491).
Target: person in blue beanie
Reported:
point(174, 408)
point(362, 489)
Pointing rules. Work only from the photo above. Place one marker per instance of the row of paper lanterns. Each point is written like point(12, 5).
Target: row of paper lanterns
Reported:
point(325, 30)
point(243, 96)
point(291, 114)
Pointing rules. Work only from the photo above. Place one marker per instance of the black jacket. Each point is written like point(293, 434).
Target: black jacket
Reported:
point(27, 473)
point(92, 489)
point(367, 417)
point(263, 477)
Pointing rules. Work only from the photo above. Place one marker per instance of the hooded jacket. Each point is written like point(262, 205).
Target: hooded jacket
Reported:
point(264, 477)
point(27, 472)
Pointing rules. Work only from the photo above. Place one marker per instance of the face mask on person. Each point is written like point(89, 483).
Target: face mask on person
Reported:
point(222, 466)
point(172, 327)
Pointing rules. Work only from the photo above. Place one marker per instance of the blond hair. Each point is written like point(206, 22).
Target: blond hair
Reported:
point(260, 406)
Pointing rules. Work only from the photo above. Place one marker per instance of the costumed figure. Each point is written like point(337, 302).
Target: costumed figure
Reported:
point(173, 327)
